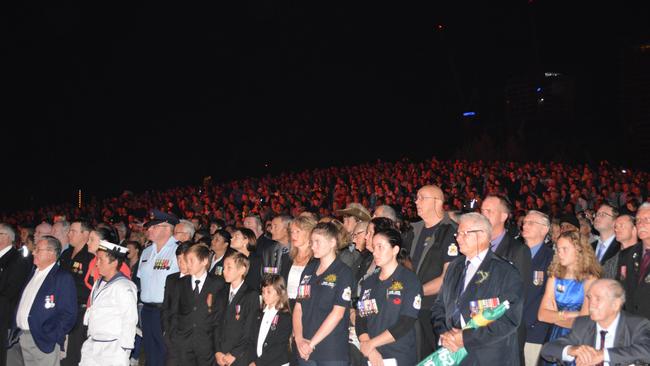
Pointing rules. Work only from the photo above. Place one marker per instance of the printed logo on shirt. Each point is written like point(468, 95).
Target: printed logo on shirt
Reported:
point(417, 302)
point(538, 278)
point(162, 264)
point(49, 302)
point(347, 294)
point(395, 289)
point(329, 280)
point(452, 251)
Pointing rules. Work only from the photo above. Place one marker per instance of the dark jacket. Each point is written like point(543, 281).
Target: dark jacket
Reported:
point(612, 249)
point(236, 328)
point(496, 343)
point(637, 289)
point(275, 351)
point(535, 329)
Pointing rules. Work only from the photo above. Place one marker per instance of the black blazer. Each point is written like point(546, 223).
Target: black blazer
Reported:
point(196, 321)
point(171, 287)
point(14, 270)
point(275, 351)
point(613, 248)
point(535, 329)
point(495, 344)
point(235, 330)
point(637, 289)
point(518, 253)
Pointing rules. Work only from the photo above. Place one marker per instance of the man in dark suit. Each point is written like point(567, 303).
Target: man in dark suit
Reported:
point(47, 309)
point(478, 280)
point(535, 231)
point(497, 209)
point(606, 246)
point(607, 335)
point(637, 267)
point(14, 269)
point(195, 319)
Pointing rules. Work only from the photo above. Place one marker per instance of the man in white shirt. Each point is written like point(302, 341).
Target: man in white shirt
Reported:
point(47, 309)
point(608, 335)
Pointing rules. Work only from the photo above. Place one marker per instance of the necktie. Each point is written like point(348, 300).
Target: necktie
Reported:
point(455, 317)
point(599, 251)
point(644, 265)
point(232, 294)
point(603, 334)
point(196, 288)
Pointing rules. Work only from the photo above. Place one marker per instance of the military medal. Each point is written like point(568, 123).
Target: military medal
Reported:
point(452, 251)
point(623, 273)
point(208, 300)
point(560, 288)
point(274, 323)
point(473, 308)
point(538, 278)
point(49, 301)
point(237, 310)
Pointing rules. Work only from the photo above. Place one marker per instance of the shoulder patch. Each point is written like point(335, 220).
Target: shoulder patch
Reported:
point(417, 302)
point(347, 294)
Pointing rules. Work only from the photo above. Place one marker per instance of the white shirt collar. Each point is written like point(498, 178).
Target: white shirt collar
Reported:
point(202, 278)
point(234, 290)
point(608, 242)
point(611, 330)
point(5, 250)
point(45, 271)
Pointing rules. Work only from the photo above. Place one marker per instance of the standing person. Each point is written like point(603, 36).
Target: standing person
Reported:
point(254, 223)
point(109, 234)
point(535, 231)
point(240, 305)
point(273, 327)
point(171, 291)
point(626, 234)
point(158, 261)
point(113, 312)
point(47, 309)
point(276, 258)
point(320, 319)
point(76, 260)
point(14, 270)
point(389, 305)
point(195, 313)
point(220, 246)
point(637, 264)
point(301, 254)
point(606, 246)
point(432, 249)
point(479, 280)
point(573, 269)
point(243, 241)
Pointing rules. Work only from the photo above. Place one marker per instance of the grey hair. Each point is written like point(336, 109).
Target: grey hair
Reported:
point(63, 223)
point(387, 212)
point(644, 206)
point(53, 243)
point(542, 215)
point(614, 288)
point(10, 231)
point(258, 221)
point(479, 219)
point(189, 226)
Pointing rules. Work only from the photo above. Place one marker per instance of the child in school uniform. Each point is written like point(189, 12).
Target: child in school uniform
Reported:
point(273, 326)
point(194, 311)
point(240, 305)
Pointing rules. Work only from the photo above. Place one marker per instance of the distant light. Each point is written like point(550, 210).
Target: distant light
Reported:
point(469, 114)
point(440, 27)
point(552, 74)
point(539, 90)
point(540, 100)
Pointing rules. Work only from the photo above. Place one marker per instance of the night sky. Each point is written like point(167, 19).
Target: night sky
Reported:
point(108, 97)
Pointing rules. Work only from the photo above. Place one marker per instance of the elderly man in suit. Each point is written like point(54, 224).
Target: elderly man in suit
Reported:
point(47, 309)
point(608, 335)
point(478, 280)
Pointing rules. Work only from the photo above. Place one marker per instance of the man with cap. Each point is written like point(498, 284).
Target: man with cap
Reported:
point(352, 214)
point(156, 263)
point(569, 223)
point(113, 314)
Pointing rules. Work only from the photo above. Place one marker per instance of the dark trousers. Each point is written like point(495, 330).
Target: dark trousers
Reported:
point(198, 351)
point(152, 338)
point(425, 338)
point(76, 339)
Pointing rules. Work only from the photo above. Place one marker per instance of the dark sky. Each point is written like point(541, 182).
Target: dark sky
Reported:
point(108, 97)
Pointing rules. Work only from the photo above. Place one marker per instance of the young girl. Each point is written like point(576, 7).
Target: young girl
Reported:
point(240, 304)
point(194, 311)
point(273, 327)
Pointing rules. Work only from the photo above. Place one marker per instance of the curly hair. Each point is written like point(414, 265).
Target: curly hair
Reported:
point(587, 265)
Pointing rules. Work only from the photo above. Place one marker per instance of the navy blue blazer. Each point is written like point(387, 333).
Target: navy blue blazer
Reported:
point(535, 329)
point(495, 344)
point(54, 310)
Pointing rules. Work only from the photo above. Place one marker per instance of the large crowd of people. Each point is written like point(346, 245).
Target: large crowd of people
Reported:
point(376, 264)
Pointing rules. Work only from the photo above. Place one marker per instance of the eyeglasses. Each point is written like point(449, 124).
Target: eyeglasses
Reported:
point(358, 233)
point(642, 220)
point(462, 234)
point(530, 222)
point(181, 232)
point(603, 214)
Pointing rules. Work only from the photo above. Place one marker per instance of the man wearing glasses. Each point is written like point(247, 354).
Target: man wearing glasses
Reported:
point(431, 250)
point(47, 309)
point(476, 281)
point(606, 246)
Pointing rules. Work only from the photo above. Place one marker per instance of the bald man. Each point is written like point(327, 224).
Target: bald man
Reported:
point(432, 248)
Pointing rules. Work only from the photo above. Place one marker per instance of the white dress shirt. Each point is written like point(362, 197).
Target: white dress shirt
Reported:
point(603, 245)
point(267, 319)
point(294, 280)
point(201, 279)
point(29, 295)
point(609, 341)
point(5, 250)
point(233, 291)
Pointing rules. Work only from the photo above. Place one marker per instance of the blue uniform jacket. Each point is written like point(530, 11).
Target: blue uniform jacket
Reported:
point(535, 329)
point(54, 310)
